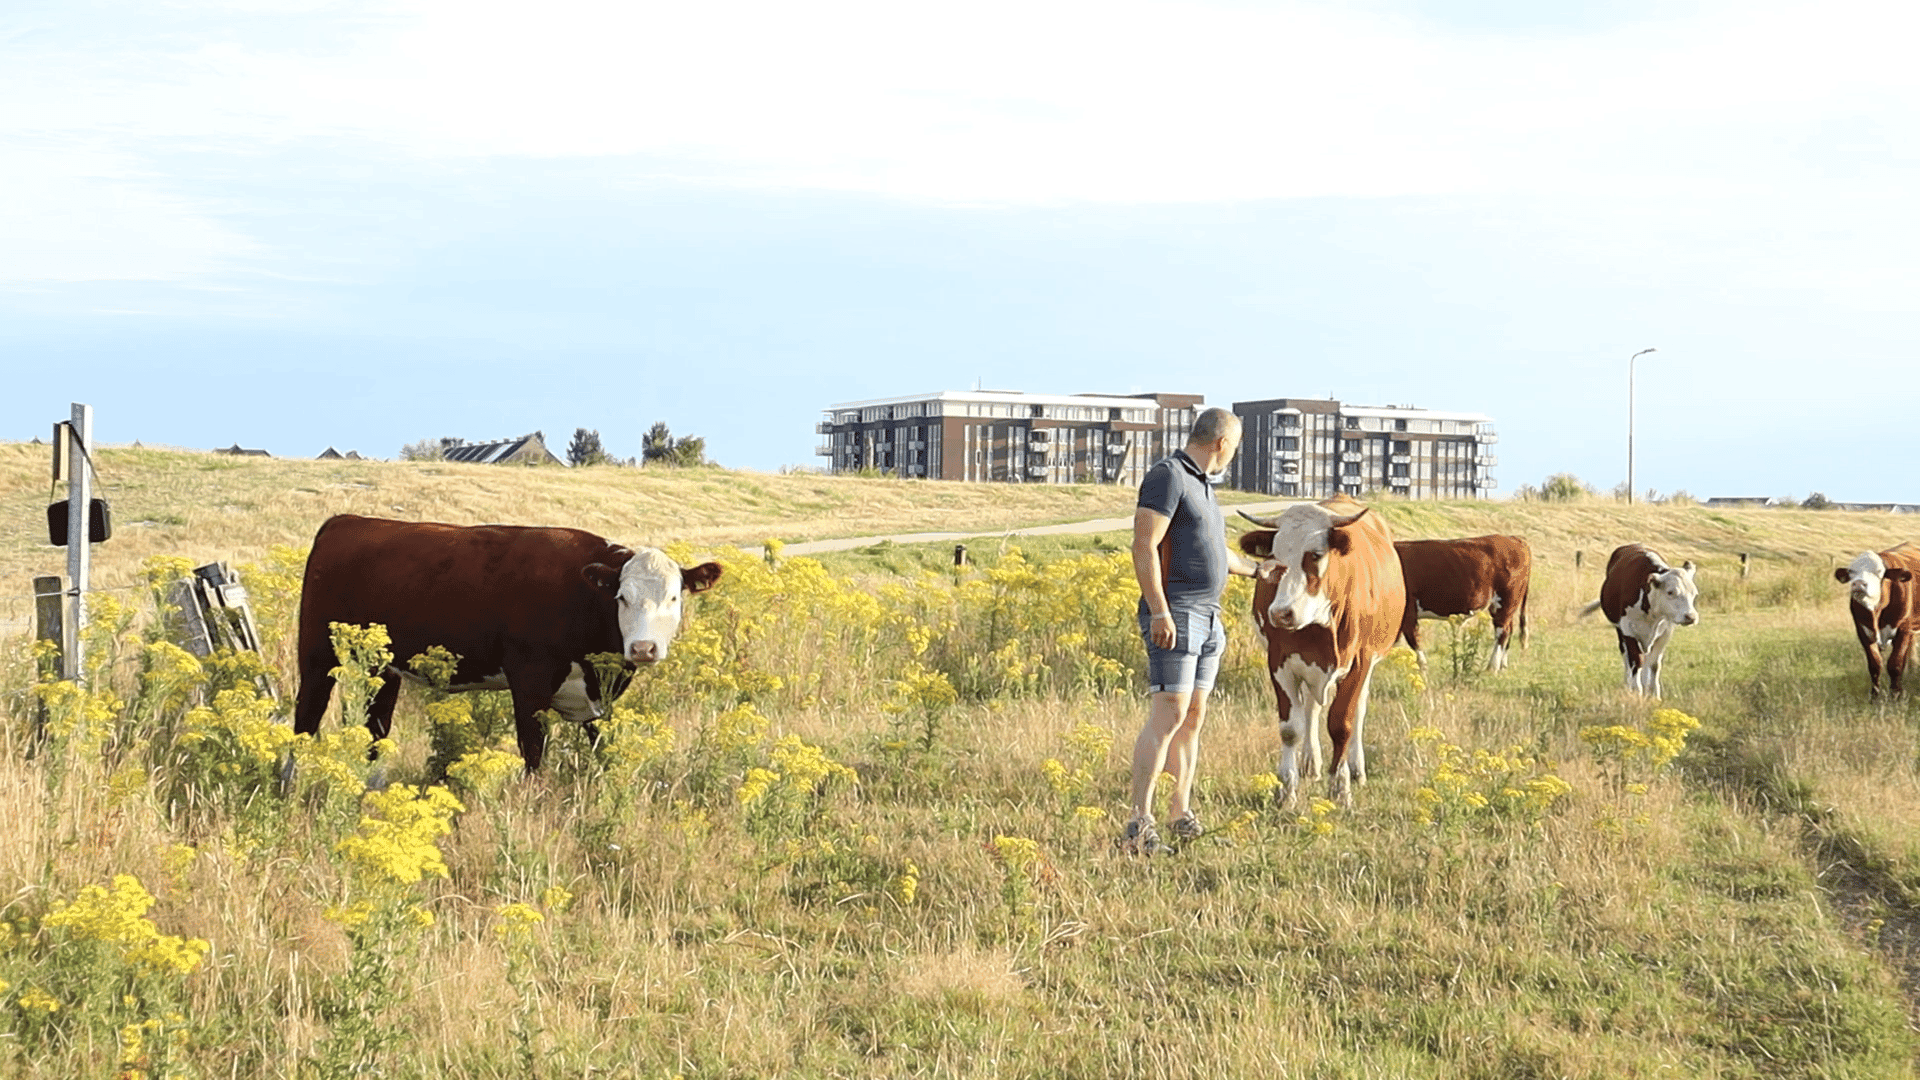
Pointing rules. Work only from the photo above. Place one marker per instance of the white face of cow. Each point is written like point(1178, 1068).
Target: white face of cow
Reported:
point(1300, 539)
point(649, 599)
point(1863, 580)
point(1670, 595)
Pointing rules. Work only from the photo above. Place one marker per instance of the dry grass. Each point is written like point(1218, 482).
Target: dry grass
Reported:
point(1694, 927)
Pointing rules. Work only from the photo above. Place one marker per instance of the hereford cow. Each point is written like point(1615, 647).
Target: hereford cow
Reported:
point(1461, 577)
point(1886, 610)
point(521, 607)
point(1645, 599)
point(1328, 598)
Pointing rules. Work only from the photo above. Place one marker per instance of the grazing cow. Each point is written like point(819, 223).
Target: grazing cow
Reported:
point(1461, 577)
point(1645, 599)
point(521, 607)
point(1328, 598)
point(1886, 610)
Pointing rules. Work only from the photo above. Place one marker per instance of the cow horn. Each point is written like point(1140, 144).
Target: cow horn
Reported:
point(1343, 522)
point(1265, 523)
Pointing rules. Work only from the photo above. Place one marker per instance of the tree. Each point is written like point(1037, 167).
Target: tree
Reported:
point(1817, 501)
point(585, 449)
point(430, 449)
point(1564, 487)
point(659, 447)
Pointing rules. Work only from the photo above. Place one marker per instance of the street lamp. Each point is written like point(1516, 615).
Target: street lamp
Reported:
point(1630, 361)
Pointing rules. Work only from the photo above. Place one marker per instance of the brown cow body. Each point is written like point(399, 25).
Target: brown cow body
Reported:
point(1329, 599)
point(523, 608)
point(1461, 577)
point(1885, 604)
point(1645, 599)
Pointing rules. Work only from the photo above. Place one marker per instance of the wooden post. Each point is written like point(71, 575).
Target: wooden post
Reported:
point(46, 619)
point(1577, 555)
point(79, 537)
point(1743, 565)
point(959, 555)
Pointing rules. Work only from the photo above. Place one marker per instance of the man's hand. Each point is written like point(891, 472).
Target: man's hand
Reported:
point(1162, 630)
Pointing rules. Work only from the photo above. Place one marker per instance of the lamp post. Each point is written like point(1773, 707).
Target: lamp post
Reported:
point(1630, 361)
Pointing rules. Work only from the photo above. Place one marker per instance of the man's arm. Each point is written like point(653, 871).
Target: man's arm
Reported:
point(1149, 528)
point(1238, 563)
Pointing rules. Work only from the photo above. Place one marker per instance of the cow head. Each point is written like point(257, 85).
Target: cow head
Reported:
point(648, 588)
point(1296, 549)
point(1671, 593)
point(1863, 578)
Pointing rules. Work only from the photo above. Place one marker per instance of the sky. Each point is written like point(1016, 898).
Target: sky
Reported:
point(295, 224)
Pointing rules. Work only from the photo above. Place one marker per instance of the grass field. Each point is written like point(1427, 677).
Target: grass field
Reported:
point(861, 822)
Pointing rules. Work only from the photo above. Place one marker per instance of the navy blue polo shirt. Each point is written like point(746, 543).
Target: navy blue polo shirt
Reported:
point(1193, 557)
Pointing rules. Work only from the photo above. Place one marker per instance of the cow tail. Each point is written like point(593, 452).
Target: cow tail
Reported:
point(1590, 609)
point(1523, 622)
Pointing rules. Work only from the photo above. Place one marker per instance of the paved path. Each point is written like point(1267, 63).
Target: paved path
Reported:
point(1098, 525)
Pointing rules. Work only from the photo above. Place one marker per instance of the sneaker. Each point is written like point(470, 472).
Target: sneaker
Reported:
point(1140, 838)
point(1187, 827)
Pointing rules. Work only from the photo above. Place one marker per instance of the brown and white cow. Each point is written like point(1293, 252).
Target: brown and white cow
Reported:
point(1328, 598)
point(1461, 577)
point(521, 607)
point(1885, 605)
point(1645, 599)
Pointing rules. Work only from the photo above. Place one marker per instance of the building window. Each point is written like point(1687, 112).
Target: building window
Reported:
point(1399, 425)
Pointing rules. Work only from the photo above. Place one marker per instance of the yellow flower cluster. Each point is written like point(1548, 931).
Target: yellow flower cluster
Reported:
point(1662, 740)
point(1318, 820)
point(118, 917)
point(171, 673)
point(920, 689)
point(82, 717)
point(242, 723)
point(739, 729)
point(1402, 663)
point(485, 771)
point(907, 885)
point(1017, 853)
point(515, 922)
point(1461, 785)
point(395, 841)
point(631, 740)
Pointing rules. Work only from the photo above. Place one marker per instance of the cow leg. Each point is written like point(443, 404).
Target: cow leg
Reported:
point(1410, 631)
point(1302, 690)
point(1346, 728)
point(533, 687)
point(1630, 652)
point(1897, 658)
point(1657, 651)
point(316, 688)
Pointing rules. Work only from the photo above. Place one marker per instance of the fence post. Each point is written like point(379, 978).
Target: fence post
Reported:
point(79, 537)
point(1743, 566)
point(959, 554)
point(1577, 555)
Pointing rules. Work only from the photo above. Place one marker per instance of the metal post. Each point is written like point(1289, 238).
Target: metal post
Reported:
point(1630, 361)
point(79, 536)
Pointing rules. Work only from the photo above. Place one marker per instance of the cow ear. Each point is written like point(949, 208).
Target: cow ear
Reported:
point(601, 576)
point(1842, 576)
point(616, 555)
point(1257, 542)
point(1898, 573)
point(699, 578)
point(1340, 540)
point(1687, 568)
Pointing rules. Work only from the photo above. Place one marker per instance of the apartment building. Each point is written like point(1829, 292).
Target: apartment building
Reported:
point(1314, 448)
point(1008, 436)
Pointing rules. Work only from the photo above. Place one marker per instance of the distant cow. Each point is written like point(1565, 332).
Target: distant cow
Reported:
point(1461, 577)
point(521, 607)
point(1886, 610)
point(1645, 599)
point(1328, 598)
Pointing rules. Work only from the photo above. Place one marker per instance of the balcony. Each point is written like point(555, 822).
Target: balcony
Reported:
point(824, 427)
point(1036, 470)
point(1350, 456)
point(1042, 435)
point(1401, 459)
point(824, 449)
point(1485, 483)
point(917, 444)
point(1487, 437)
point(1039, 446)
point(1117, 449)
point(1287, 455)
point(1485, 461)
point(1290, 468)
point(1399, 481)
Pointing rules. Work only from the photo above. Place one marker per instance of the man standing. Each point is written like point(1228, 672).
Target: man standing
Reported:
point(1181, 560)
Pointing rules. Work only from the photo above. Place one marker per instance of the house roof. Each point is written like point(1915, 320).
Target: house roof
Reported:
point(526, 447)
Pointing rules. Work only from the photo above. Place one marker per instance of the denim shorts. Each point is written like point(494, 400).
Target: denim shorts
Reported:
point(1194, 660)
